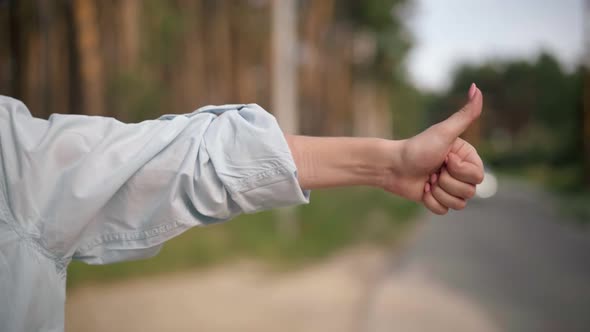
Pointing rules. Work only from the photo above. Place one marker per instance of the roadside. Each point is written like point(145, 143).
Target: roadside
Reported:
point(243, 296)
point(247, 296)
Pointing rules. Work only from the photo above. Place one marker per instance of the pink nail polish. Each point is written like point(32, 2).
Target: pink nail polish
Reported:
point(472, 90)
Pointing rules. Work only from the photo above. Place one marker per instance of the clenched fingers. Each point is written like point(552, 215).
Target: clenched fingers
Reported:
point(455, 187)
point(447, 200)
point(433, 205)
point(464, 171)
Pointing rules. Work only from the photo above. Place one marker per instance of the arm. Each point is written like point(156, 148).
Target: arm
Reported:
point(98, 190)
point(324, 162)
point(435, 167)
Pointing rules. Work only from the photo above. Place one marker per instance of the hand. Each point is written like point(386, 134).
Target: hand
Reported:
point(435, 167)
point(438, 168)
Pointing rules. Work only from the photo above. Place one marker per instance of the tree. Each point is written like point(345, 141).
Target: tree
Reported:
point(531, 110)
point(89, 54)
point(586, 127)
point(586, 103)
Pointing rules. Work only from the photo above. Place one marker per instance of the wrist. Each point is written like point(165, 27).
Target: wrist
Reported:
point(344, 161)
point(389, 162)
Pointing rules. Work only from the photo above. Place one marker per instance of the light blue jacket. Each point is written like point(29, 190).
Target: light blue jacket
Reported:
point(102, 191)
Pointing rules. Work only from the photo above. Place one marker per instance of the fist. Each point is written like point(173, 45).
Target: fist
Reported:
point(438, 168)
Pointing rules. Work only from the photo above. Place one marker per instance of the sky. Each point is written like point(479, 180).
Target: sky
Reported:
point(450, 32)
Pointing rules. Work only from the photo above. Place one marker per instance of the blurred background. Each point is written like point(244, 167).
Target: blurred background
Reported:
point(517, 259)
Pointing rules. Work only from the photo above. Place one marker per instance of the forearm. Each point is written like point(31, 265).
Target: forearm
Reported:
point(324, 162)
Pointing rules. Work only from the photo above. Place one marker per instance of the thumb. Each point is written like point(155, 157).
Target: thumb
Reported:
point(457, 123)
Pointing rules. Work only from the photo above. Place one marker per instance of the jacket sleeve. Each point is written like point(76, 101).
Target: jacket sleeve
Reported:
point(99, 190)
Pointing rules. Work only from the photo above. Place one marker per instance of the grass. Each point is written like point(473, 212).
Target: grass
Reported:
point(335, 219)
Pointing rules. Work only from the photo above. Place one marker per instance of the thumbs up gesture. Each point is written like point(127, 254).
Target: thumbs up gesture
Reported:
point(438, 168)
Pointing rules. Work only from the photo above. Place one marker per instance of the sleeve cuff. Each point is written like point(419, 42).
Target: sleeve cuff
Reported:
point(272, 189)
point(252, 158)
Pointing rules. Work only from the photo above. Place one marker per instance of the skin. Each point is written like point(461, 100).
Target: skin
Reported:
point(435, 167)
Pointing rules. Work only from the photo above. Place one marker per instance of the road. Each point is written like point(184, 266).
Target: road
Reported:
point(509, 263)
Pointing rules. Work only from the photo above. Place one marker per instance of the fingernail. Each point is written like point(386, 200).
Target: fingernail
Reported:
point(427, 187)
point(433, 178)
point(472, 90)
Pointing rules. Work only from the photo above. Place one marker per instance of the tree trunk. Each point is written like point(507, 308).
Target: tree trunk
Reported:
point(16, 49)
point(58, 61)
point(284, 93)
point(5, 53)
point(337, 81)
point(190, 86)
point(316, 21)
point(129, 33)
point(586, 102)
point(218, 57)
point(250, 42)
point(89, 54)
point(586, 127)
point(284, 101)
point(372, 117)
point(31, 71)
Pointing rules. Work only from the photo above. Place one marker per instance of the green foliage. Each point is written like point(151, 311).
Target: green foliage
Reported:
point(140, 92)
point(384, 19)
point(408, 105)
point(135, 97)
point(163, 26)
point(336, 218)
point(377, 15)
point(530, 111)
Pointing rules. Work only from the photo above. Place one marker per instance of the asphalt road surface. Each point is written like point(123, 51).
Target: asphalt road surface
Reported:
point(509, 263)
